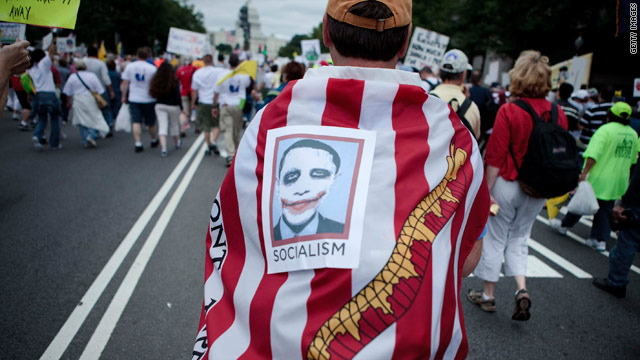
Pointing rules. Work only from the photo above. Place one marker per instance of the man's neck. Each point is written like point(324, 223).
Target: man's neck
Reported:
point(339, 60)
point(455, 83)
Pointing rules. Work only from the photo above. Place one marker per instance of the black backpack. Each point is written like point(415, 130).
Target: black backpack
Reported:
point(549, 168)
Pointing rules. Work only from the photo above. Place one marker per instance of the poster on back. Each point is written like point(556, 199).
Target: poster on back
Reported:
point(426, 48)
point(189, 43)
point(10, 32)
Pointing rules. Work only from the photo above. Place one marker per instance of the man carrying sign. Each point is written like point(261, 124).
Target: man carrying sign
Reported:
point(424, 204)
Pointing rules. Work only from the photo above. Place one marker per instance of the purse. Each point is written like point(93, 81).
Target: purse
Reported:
point(100, 101)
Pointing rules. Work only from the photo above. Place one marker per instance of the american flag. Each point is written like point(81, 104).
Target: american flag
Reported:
point(427, 204)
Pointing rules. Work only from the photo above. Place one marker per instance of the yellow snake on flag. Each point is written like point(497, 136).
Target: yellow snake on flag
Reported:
point(378, 305)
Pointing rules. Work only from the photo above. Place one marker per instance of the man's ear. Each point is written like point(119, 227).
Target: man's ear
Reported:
point(326, 38)
point(403, 50)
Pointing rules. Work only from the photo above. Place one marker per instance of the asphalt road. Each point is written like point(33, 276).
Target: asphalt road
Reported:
point(64, 214)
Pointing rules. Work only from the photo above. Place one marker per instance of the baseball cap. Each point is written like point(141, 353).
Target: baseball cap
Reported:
point(593, 92)
point(621, 110)
point(580, 94)
point(401, 9)
point(455, 61)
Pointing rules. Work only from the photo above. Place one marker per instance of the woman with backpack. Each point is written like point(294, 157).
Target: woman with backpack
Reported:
point(510, 228)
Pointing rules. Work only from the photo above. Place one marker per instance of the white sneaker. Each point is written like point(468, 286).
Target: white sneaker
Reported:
point(556, 224)
point(597, 245)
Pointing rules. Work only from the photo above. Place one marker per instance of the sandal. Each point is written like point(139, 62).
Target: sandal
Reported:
point(523, 304)
point(476, 298)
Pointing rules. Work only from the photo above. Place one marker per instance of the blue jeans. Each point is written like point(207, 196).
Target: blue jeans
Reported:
point(47, 105)
point(106, 111)
point(601, 230)
point(87, 132)
point(622, 255)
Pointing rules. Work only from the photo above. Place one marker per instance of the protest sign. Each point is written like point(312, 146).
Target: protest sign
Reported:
point(310, 50)
point(189, 43)
point(577, 74)
point(47, 40)
point(10, 32)
point(426, 48)
point(66, 44)
point(59, 13)
point(636, 87)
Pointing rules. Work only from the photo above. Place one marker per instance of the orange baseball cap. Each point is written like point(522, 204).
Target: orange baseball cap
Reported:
point(401, 9)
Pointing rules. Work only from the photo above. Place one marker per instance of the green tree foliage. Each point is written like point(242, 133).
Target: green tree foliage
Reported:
point(225, 49)
point(509, 27)
point(293, 46)
point(138, 22)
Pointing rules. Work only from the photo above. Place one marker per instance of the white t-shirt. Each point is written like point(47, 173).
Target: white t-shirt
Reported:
point(233, 90)
point(42, 76)
point(139, 74)
point(204, 81)
point(99, 68)
point(74, 85)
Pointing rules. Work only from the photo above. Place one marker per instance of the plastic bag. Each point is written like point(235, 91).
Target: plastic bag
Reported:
point(123, 120)
point(584, 201)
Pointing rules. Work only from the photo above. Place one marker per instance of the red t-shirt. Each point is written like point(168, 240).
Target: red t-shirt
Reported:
point(184, 75)
point(16, 84)
point(511, 133)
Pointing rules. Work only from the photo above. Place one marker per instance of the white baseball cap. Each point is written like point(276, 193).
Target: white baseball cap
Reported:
point(455, 61)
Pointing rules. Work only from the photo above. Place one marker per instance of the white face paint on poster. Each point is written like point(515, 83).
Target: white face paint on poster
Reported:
point(313, 177)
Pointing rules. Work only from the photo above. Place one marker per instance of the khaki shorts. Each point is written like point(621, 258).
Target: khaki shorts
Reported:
point(205, 120)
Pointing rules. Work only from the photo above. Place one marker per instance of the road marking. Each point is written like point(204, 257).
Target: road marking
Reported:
point(110, 319)
point(558, 260)
point(586, 220)
point(536, 268)
point(59, 345)
point(584, 242)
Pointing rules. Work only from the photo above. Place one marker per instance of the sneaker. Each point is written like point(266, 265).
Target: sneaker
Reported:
point(155, 143)
point(24, 127)
point(163, 153)
point(179, 144)
point(207, 152)
point(476, 298)
point(523, 304)
point(139, 149)
point(37, 144)
point(556, 224)
point(214, 148)
point(16, 117)
point(229, 161)
point(597, 245)
point(92, 143)
point(603, 284)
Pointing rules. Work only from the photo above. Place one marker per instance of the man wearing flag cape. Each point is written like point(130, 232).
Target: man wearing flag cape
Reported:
point(409, 189)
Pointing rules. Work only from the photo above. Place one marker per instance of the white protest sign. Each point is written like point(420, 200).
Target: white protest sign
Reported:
point(9, 32)
point(310, 50)
point(426, 48)
point(636, 87)
point(47, 41)
point(492, 75)
point(577, 72)
point(185, 42)
point(66, 44)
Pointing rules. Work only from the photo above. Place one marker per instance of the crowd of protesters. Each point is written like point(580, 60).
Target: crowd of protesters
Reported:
point(168, 96)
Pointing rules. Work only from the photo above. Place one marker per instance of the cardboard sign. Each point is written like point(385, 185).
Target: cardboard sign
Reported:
point(66, 44)
point(47, 40)
point(426, 48)
point(313, 177)
point(578, 73)
point(189, 43)
point(10, 32)
point(636, 87)
point(53, 13)
point(310, 50)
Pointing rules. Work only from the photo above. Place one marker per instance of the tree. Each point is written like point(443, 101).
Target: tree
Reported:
point(293, 46)
point(224, 49)
point(138, 22)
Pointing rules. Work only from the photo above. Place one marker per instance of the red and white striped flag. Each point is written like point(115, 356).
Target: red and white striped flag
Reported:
point(426, 205)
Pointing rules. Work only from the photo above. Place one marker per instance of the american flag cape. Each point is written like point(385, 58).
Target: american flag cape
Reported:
point(427, 204)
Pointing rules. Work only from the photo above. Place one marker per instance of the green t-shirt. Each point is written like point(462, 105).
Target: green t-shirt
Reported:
point(615, 148)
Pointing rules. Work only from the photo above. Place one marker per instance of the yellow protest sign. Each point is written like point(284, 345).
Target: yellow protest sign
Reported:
point(554, 205)
point(52, 13)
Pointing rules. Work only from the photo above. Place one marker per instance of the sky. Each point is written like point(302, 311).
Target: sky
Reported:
point(282, 18)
